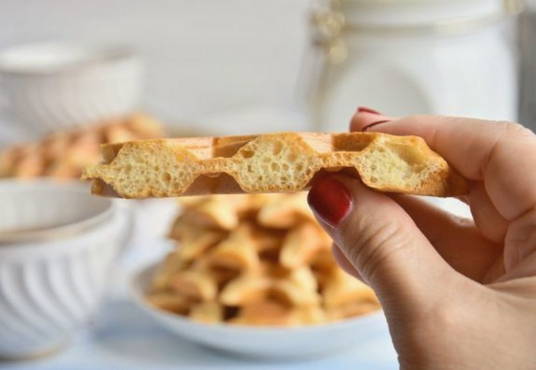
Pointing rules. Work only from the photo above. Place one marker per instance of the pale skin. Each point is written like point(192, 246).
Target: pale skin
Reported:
point(457, 294)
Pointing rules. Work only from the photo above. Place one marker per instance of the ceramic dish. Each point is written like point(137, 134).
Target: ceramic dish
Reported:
point(261, 342)
point(55, 86)
point(52, 282)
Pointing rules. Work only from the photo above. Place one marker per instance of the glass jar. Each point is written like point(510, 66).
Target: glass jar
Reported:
point(450, 57)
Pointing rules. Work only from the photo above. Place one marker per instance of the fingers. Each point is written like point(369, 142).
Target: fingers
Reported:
point(379, 240)
point(455, 239)
point(519, 244)
point(489, 221)
point(500, 154)
point(438, 226)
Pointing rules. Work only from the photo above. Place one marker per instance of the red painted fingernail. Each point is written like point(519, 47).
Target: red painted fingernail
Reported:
point(330, 200)
point(374, 124)
point(367, 110)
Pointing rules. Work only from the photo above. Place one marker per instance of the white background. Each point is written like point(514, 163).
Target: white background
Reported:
point(202, 56)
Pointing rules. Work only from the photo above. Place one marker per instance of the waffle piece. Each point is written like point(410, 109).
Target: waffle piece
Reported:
point(194, 239)
point(194, 285)
point(264, 313)
point(171, 264)
point(345, 296)
point(298, 289)
point(285, 212)
point(170, 302)
point(274, 313)
point(281, 162)
point(210, 312)
point(238, 251)
point(63, 155)
point(246, 289)
point(302, 244)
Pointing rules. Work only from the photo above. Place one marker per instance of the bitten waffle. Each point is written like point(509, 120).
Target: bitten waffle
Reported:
point(281, 162)
point(65, 154)
point(255, 259)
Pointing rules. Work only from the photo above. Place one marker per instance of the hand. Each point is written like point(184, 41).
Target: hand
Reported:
point(457, 294)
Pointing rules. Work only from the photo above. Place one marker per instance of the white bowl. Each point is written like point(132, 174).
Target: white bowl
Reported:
point(54, 86)
point(54, 269)
point(152, 217)
point(294, 342)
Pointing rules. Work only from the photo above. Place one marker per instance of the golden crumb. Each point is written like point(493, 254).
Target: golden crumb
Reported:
point(272, 163)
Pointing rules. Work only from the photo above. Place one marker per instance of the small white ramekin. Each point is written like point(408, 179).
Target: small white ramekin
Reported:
point(58, 245)
point(54, 86)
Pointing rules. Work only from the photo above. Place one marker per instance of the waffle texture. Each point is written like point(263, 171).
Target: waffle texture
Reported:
point(279, 162)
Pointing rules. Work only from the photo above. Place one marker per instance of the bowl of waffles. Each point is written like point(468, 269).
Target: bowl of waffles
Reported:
point(253, 274)
point(62, 155)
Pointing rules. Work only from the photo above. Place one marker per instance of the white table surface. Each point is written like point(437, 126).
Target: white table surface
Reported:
point(121, 336)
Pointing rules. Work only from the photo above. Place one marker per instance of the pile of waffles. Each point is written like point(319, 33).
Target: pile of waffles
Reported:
point(64, 154)
point(254, 259)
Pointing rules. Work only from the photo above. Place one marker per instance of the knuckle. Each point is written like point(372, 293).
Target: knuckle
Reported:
point(514, 129)
point(372, 245)
point(418, 118)
point(522, 231)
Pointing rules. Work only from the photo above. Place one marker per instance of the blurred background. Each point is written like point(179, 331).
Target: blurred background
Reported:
point(200, 58)
point(77, 74)
point(210, 59)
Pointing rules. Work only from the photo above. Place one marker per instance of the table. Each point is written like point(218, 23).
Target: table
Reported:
point(120, 336)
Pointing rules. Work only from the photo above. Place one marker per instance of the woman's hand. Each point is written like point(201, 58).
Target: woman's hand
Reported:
point(457, 294)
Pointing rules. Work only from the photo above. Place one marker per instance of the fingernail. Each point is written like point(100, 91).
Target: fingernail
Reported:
point(330, 200)
point(372, 124)
point(367, 110)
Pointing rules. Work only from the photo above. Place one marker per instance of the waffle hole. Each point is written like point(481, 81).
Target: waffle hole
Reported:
point(247, 153)
point(291, 157)
point(166, 177)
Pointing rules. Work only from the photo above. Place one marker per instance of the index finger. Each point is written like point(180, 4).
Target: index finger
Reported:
point(501, 154)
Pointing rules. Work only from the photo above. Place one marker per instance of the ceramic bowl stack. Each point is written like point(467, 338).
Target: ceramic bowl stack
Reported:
point(58, 245)
point(54, 86)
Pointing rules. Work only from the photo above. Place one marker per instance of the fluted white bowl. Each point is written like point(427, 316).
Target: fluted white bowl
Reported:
point(262, 342)
point(57, 249)
point(55, 86)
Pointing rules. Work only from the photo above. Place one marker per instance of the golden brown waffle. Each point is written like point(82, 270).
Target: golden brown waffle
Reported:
point(236, 264)
point(65, 154)
point(281, 162)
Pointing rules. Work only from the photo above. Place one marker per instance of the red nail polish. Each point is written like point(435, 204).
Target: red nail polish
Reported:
point(330, 200)
point(374, 124)
point(367, 110)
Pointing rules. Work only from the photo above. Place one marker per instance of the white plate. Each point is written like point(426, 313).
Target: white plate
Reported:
point(307, 341)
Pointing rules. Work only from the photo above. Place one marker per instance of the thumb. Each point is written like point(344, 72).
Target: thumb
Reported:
point(380, 240)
